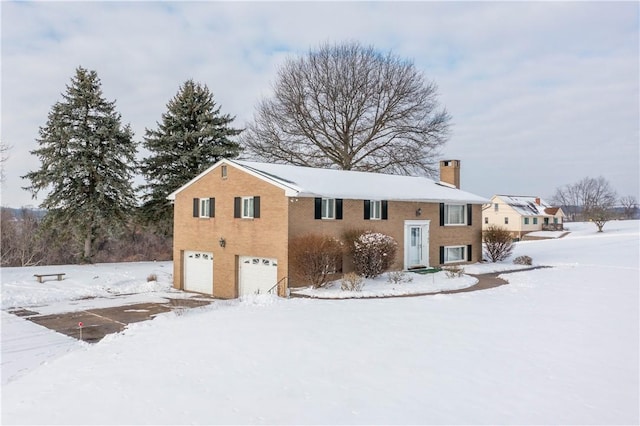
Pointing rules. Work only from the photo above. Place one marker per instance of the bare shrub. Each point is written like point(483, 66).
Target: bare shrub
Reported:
point(498, 243)
point(454, 271)
point(398, 277)
point(523, 260)
point(352, 282)
point(152, 278)
point(314, 257)
point(373, 254)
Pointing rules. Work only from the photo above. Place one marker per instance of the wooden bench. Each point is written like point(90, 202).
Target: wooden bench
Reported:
point(41, 276)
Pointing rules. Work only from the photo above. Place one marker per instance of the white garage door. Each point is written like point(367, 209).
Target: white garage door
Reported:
point(198, 272)
point(256, 275)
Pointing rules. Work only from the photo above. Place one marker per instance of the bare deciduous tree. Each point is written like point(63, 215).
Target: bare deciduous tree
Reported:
point(3, 159)
point(592, 197)
point(629, 205)
point(350, 107)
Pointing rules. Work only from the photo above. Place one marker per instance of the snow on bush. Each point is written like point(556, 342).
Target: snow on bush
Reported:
point(398, 277)
point(523, 260)
point(373, 254)
point(352, 282)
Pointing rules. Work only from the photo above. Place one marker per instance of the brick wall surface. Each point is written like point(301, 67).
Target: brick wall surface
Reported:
point(282, 218)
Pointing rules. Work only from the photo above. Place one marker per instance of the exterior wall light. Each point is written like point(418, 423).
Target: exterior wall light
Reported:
point(419, 211)
point(222, 242)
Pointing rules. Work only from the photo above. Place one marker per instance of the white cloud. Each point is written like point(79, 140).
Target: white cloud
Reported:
point(541, 93)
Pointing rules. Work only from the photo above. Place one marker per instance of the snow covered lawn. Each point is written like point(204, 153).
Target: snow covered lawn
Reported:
point(555, 346)
point(413, 283)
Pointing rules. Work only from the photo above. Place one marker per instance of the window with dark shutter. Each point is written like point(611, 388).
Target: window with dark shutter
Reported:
point(441, 255)
point(237, 206)
point(256, 206)
point(339, 208)
point(469, 257)
point(385, 210)
point(367, 209)
point(196, 206)
point(212, 207)
point(442, 218)
point(469, 214)
point(318, 208)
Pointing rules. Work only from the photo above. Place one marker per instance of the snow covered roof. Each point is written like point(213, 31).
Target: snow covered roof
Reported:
point(298, 181)
point(529, 206)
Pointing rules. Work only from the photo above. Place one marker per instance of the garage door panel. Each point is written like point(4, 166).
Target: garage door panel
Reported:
point(257, 275)
point(198, 272)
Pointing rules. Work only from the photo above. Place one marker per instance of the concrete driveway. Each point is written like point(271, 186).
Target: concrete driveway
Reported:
point(98, 322)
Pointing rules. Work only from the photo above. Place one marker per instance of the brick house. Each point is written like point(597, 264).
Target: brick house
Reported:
point(233, 222)
point(521, 215)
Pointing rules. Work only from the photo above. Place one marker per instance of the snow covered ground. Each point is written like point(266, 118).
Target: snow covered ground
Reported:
point(555, 346)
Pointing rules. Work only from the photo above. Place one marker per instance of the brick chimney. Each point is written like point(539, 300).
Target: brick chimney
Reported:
point(537, 201)
point(450, 172)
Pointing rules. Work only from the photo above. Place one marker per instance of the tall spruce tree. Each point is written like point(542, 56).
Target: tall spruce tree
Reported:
point(87, 162)
point(193, 135)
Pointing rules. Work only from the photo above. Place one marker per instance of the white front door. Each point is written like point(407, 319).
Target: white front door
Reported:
point(416, 243)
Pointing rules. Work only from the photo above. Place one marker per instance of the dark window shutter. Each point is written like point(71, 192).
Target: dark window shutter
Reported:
point(469, 255)
point(236, 207)
point(469, 213)
point(256, 207)
point(196, 207)
point(338, 208)
point(441, 255)
point(441, 215)
point(385, 209)
point(212, 207)
point(367, 209)
point(318, 208)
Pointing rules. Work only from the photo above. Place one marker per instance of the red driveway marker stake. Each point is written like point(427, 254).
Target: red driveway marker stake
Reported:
point(80, 325)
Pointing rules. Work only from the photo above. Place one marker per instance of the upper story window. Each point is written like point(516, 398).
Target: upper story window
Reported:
point(328, 208)
point(495, 207)
point(204, 207)
point(246, 207)
point(223, 171)
point(375, 209)
point(455, 214)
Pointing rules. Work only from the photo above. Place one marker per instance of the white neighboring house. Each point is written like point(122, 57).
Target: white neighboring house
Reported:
point(522, 214)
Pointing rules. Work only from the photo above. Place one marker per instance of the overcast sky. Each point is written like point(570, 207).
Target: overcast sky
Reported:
point(541, 94)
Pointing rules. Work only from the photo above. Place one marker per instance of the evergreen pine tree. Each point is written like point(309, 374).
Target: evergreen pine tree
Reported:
point(87, 162)
point(193, 135)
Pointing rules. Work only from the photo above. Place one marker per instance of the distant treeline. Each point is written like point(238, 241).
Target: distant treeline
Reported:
point(24, 241)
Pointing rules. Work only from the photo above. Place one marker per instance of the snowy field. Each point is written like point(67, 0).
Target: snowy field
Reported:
point(555, 346)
